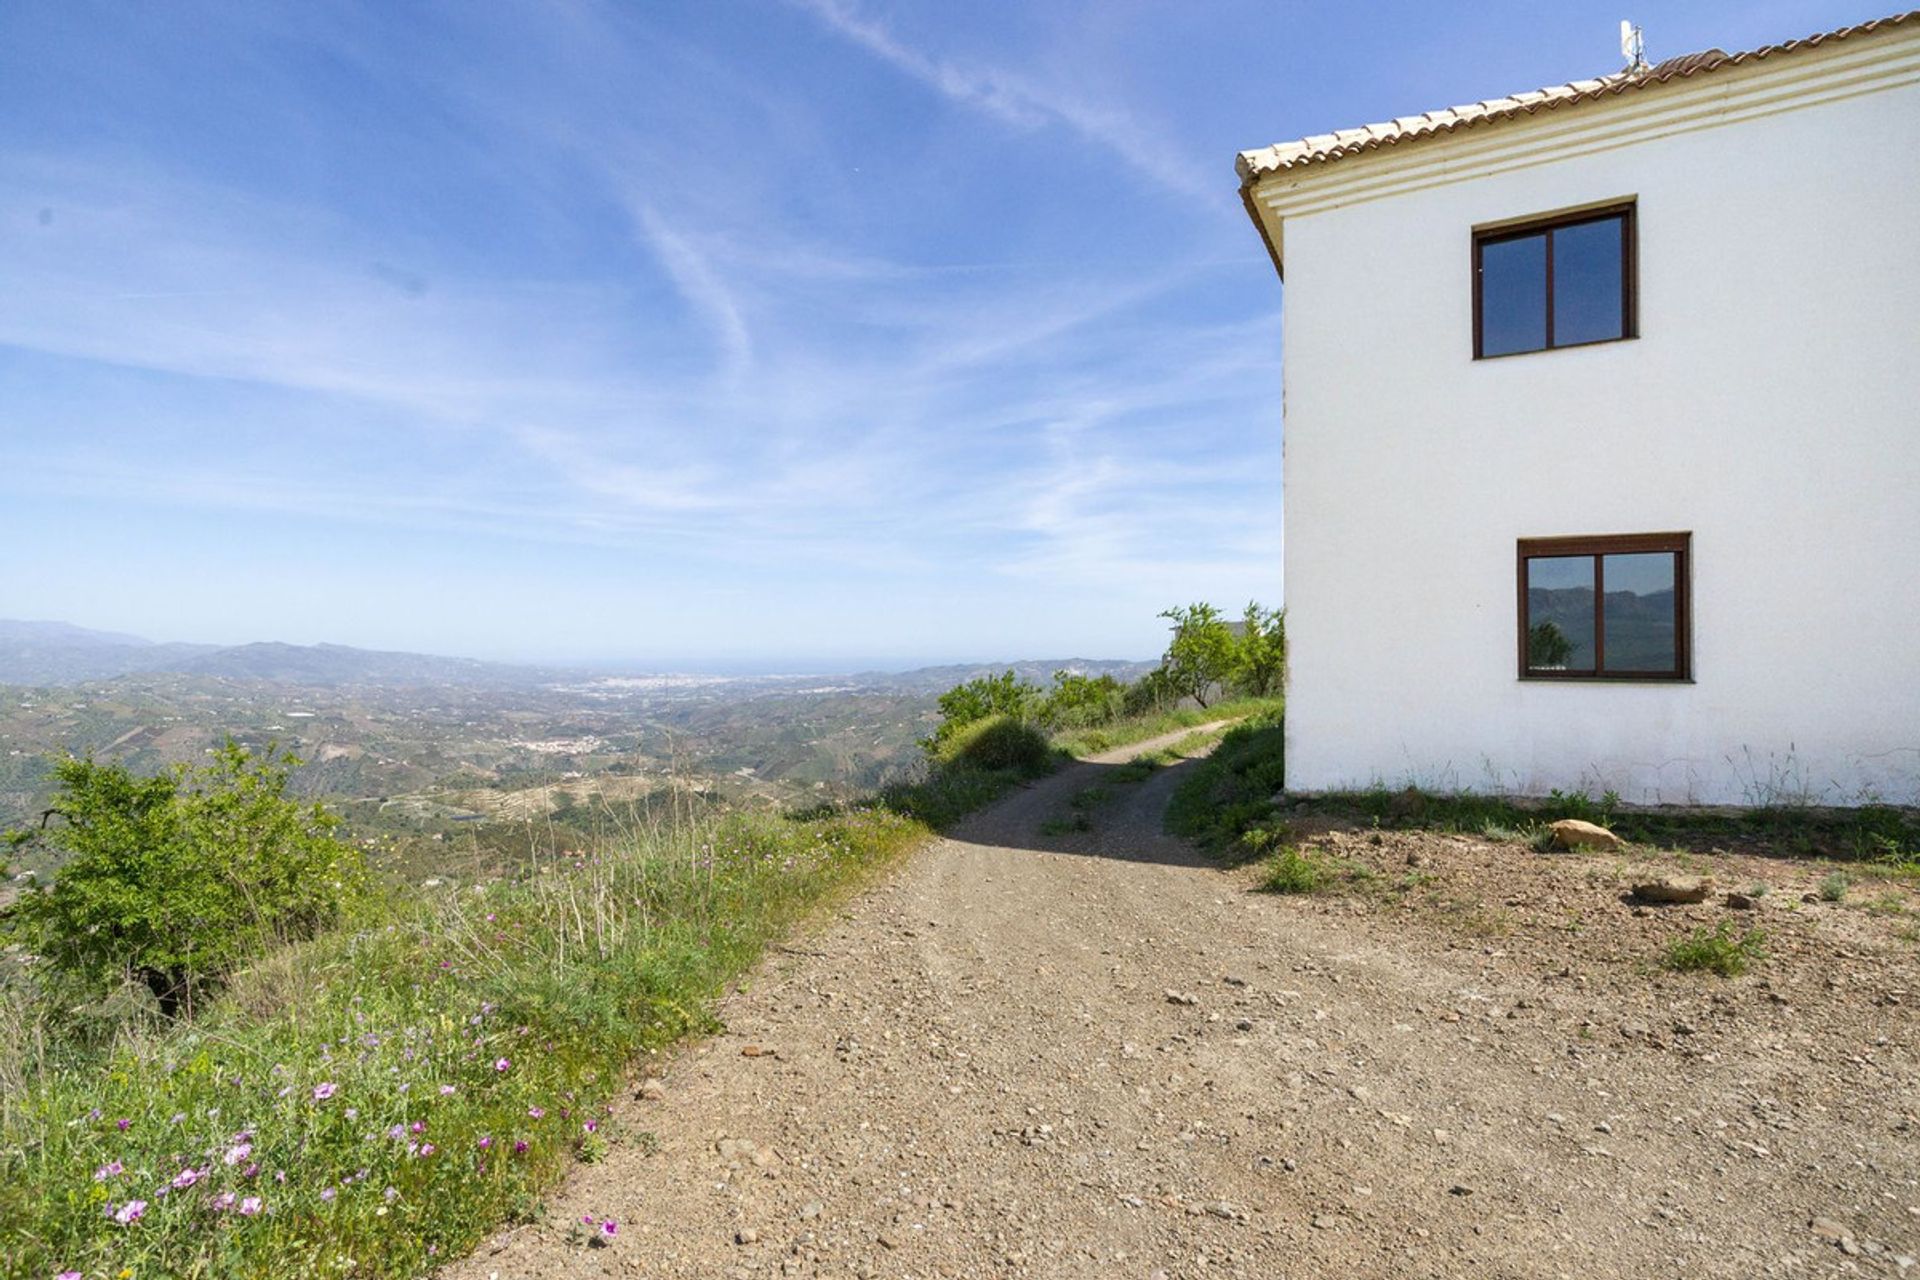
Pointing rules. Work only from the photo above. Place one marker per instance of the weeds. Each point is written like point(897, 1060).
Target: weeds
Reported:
point(1717, 951)
point(1291, 871)
point(1092, 741)
point(375, 1100)
point(1232, 791)
point(1835, 886)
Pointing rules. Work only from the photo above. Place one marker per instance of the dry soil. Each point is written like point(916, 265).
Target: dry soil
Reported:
point(1102, 1055)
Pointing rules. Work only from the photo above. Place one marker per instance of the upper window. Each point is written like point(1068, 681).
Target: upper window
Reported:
point(1560, 282)
point(1605, 608)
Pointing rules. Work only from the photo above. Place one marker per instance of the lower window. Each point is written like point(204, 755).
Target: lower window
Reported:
point(1605, 607)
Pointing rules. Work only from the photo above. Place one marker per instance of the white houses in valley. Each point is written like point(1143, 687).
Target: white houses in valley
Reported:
point(1602, 423)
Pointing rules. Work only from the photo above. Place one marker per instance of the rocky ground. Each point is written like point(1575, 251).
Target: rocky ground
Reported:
point(1100, 1055)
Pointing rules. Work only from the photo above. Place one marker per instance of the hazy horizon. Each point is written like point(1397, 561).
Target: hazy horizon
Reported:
point(616, 664)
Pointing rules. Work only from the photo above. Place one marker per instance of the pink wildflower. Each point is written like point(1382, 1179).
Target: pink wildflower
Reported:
point(321, 1092)
point(250, 1206)
point(502, 1064)
point(131, 1212)
point(111, 1169)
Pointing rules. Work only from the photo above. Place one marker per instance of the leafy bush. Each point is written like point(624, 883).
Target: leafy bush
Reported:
point(176, 881)
point(1260, 658)
point(966, 704)
point(1151, 694)
point(1835, 887)
point(1291, 871)
point(998, 742)
point(1076, 700)
point(1717, 952)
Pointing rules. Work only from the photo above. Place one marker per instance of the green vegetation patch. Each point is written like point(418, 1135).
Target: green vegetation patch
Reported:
point(1289, 870)
point(378, 1098)
point(369, 1089)
point(1717, 951)
point(1231, 792)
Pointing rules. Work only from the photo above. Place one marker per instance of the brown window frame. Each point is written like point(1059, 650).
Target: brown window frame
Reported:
point(1600, 546)
point(1626, 211)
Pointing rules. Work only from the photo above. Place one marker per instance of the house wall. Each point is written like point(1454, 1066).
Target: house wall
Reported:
point(1771, 405)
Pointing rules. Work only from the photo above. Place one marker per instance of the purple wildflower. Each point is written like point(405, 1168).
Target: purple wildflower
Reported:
point(250, 1206)
point(537, 1112)
point(237, 1153)
point(323, 1091)
point(187, 1177)
point(501, 1064)
point(609, 1228)
point(131, 1212)
point(111, 1169)
point(486, 1142)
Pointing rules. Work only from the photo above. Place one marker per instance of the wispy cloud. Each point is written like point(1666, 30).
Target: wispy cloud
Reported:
point(1025, 103)
point(641, 352)
point(700, 285)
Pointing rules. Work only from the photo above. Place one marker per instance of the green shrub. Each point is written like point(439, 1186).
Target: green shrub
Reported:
point(1834, 888)
point(1291, 871)
point(1077, 701)
point(176, 881)
point(1717, 952)
point(964, 705)
point(997, 742)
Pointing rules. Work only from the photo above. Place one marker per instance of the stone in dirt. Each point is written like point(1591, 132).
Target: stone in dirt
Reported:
point(1572, 833)
point(1741, 901)
point(1181, 997)
point(651, 1090)
point(1674, 889)
point(1409, 805)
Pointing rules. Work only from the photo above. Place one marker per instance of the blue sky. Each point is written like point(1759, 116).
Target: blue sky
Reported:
point(805, 333)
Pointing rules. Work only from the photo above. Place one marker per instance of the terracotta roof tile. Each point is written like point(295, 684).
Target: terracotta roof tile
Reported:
point(1341, 143)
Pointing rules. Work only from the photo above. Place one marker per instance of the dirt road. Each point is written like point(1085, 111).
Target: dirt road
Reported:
point(1098, 1055)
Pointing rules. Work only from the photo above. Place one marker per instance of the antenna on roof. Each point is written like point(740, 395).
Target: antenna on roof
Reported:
point(1633, 47)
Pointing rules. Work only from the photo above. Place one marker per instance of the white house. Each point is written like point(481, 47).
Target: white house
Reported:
point(1651, 341)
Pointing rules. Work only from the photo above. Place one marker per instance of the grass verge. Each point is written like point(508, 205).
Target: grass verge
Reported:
point(1231, 792)
point(374, 1102)
point(1118, 733)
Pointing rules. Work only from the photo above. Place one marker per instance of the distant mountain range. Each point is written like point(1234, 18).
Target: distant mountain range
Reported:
point(56, 653)
point(59, 653)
